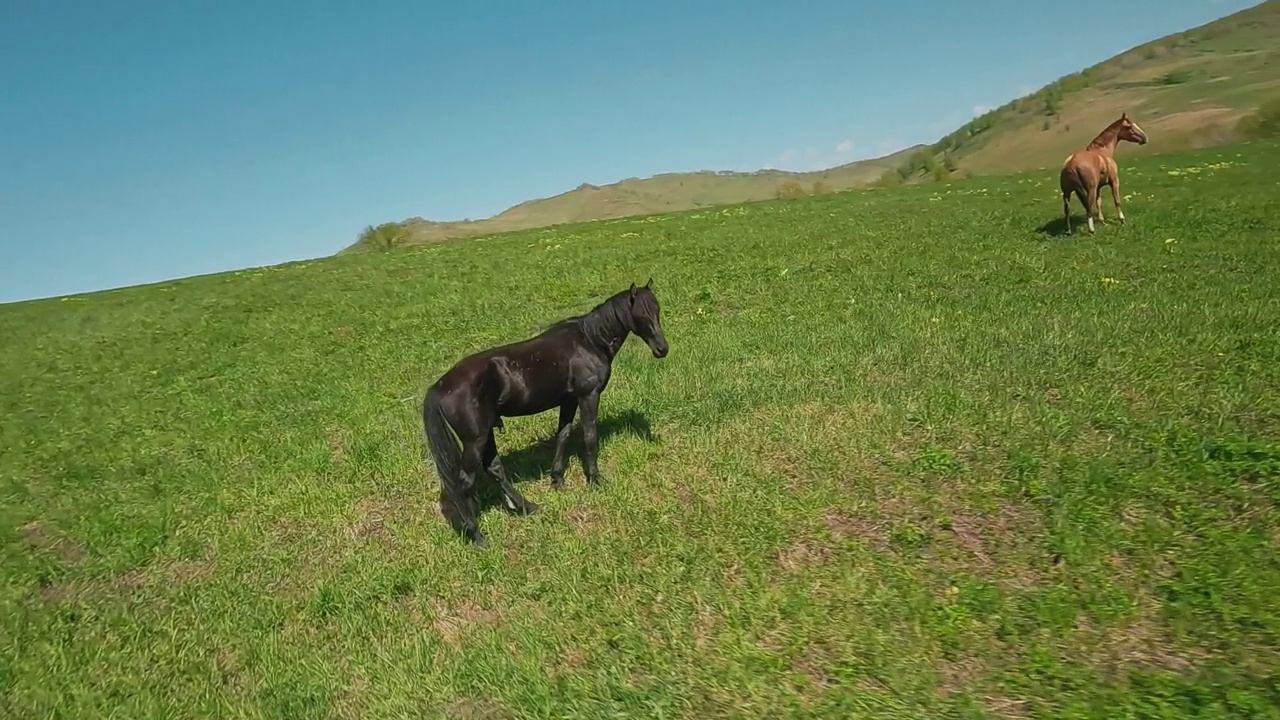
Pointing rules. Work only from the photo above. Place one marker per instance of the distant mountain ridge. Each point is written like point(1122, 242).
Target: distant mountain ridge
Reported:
point(666, 192)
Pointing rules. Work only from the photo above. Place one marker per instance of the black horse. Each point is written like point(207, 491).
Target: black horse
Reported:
point(566, 366)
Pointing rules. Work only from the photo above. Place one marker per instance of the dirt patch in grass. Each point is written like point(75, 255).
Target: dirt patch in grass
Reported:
point(809, 667)
point(802, 553)
point(570, 660)
point(1005, 707)
point(1139, 642)
point(929, 511)
point(453, 622)
point(706, 623)
point(58, 592)
point(731, 576)
point(871, 527)
point(913, 502)
point(958, 675)
point(991, 543)
point(43, 539)
point(369, 523)
point(968, 675)
point(168, 574)
point(583, 520)
point(337, 445)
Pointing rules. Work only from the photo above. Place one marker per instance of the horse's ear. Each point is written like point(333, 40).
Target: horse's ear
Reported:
point(1124, 116)
point(649, 283)
point(631, 294)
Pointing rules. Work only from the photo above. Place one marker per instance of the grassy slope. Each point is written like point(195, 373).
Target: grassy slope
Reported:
point(909, 457)
point(1188, 89)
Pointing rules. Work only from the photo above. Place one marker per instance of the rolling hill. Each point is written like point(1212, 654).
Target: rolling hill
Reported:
point(668, 192)
point(1189, 89)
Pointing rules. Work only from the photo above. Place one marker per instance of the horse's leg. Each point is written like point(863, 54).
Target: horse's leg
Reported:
point(1066, 209)
point(472, 450)
point(590, 406)
point(567, 410)
point(1115, 196)
point(516, 502)
point(1091, 205)
point(1097, 198)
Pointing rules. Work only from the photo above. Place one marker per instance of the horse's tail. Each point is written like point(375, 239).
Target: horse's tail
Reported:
point(1069, 179)
point(440, 440)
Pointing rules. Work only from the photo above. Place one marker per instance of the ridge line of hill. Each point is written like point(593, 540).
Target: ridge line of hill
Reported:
point(1214, 83)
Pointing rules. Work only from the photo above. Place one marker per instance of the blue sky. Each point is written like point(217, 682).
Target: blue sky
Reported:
point(143, 140)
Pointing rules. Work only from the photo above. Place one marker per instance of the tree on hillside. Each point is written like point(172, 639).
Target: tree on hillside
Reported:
point(790, 189)
point(891, 177)
point(1052, 102)
point(383, 237)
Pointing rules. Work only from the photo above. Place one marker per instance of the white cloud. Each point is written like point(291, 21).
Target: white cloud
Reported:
point(811, 158)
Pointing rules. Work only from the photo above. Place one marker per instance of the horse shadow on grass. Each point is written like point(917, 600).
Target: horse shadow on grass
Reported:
point(1057, 227)
point(533, 462)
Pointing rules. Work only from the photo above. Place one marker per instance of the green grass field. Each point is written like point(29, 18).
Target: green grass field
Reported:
point(909, 457)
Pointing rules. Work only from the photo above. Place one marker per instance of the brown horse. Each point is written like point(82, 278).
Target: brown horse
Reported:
point(1085, 171)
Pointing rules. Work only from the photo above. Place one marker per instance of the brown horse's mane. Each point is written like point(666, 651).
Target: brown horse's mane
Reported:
point(1108, 135)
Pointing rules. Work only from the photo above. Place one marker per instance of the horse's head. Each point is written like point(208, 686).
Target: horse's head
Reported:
point(645, 320)
point(1130, 132)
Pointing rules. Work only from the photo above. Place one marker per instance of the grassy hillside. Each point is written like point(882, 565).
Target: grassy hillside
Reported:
point(636, 197)
point(911, 455)
point(1189, 89)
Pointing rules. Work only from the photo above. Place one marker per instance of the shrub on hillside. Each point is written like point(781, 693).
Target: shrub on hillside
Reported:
point(1263, 123)
point(889, 178)
point(383, 237)
point(790, 189)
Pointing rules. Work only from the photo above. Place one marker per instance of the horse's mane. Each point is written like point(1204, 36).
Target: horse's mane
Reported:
point(1108, 131)
point(595, 322)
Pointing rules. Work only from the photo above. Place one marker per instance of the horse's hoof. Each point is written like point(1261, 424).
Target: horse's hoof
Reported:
point(477, 538)
point(557, 483)
point(531, 508)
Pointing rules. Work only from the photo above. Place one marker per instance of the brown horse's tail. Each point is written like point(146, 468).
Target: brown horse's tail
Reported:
point(440, 441)
point(1069, 181)
point(1068, 178)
